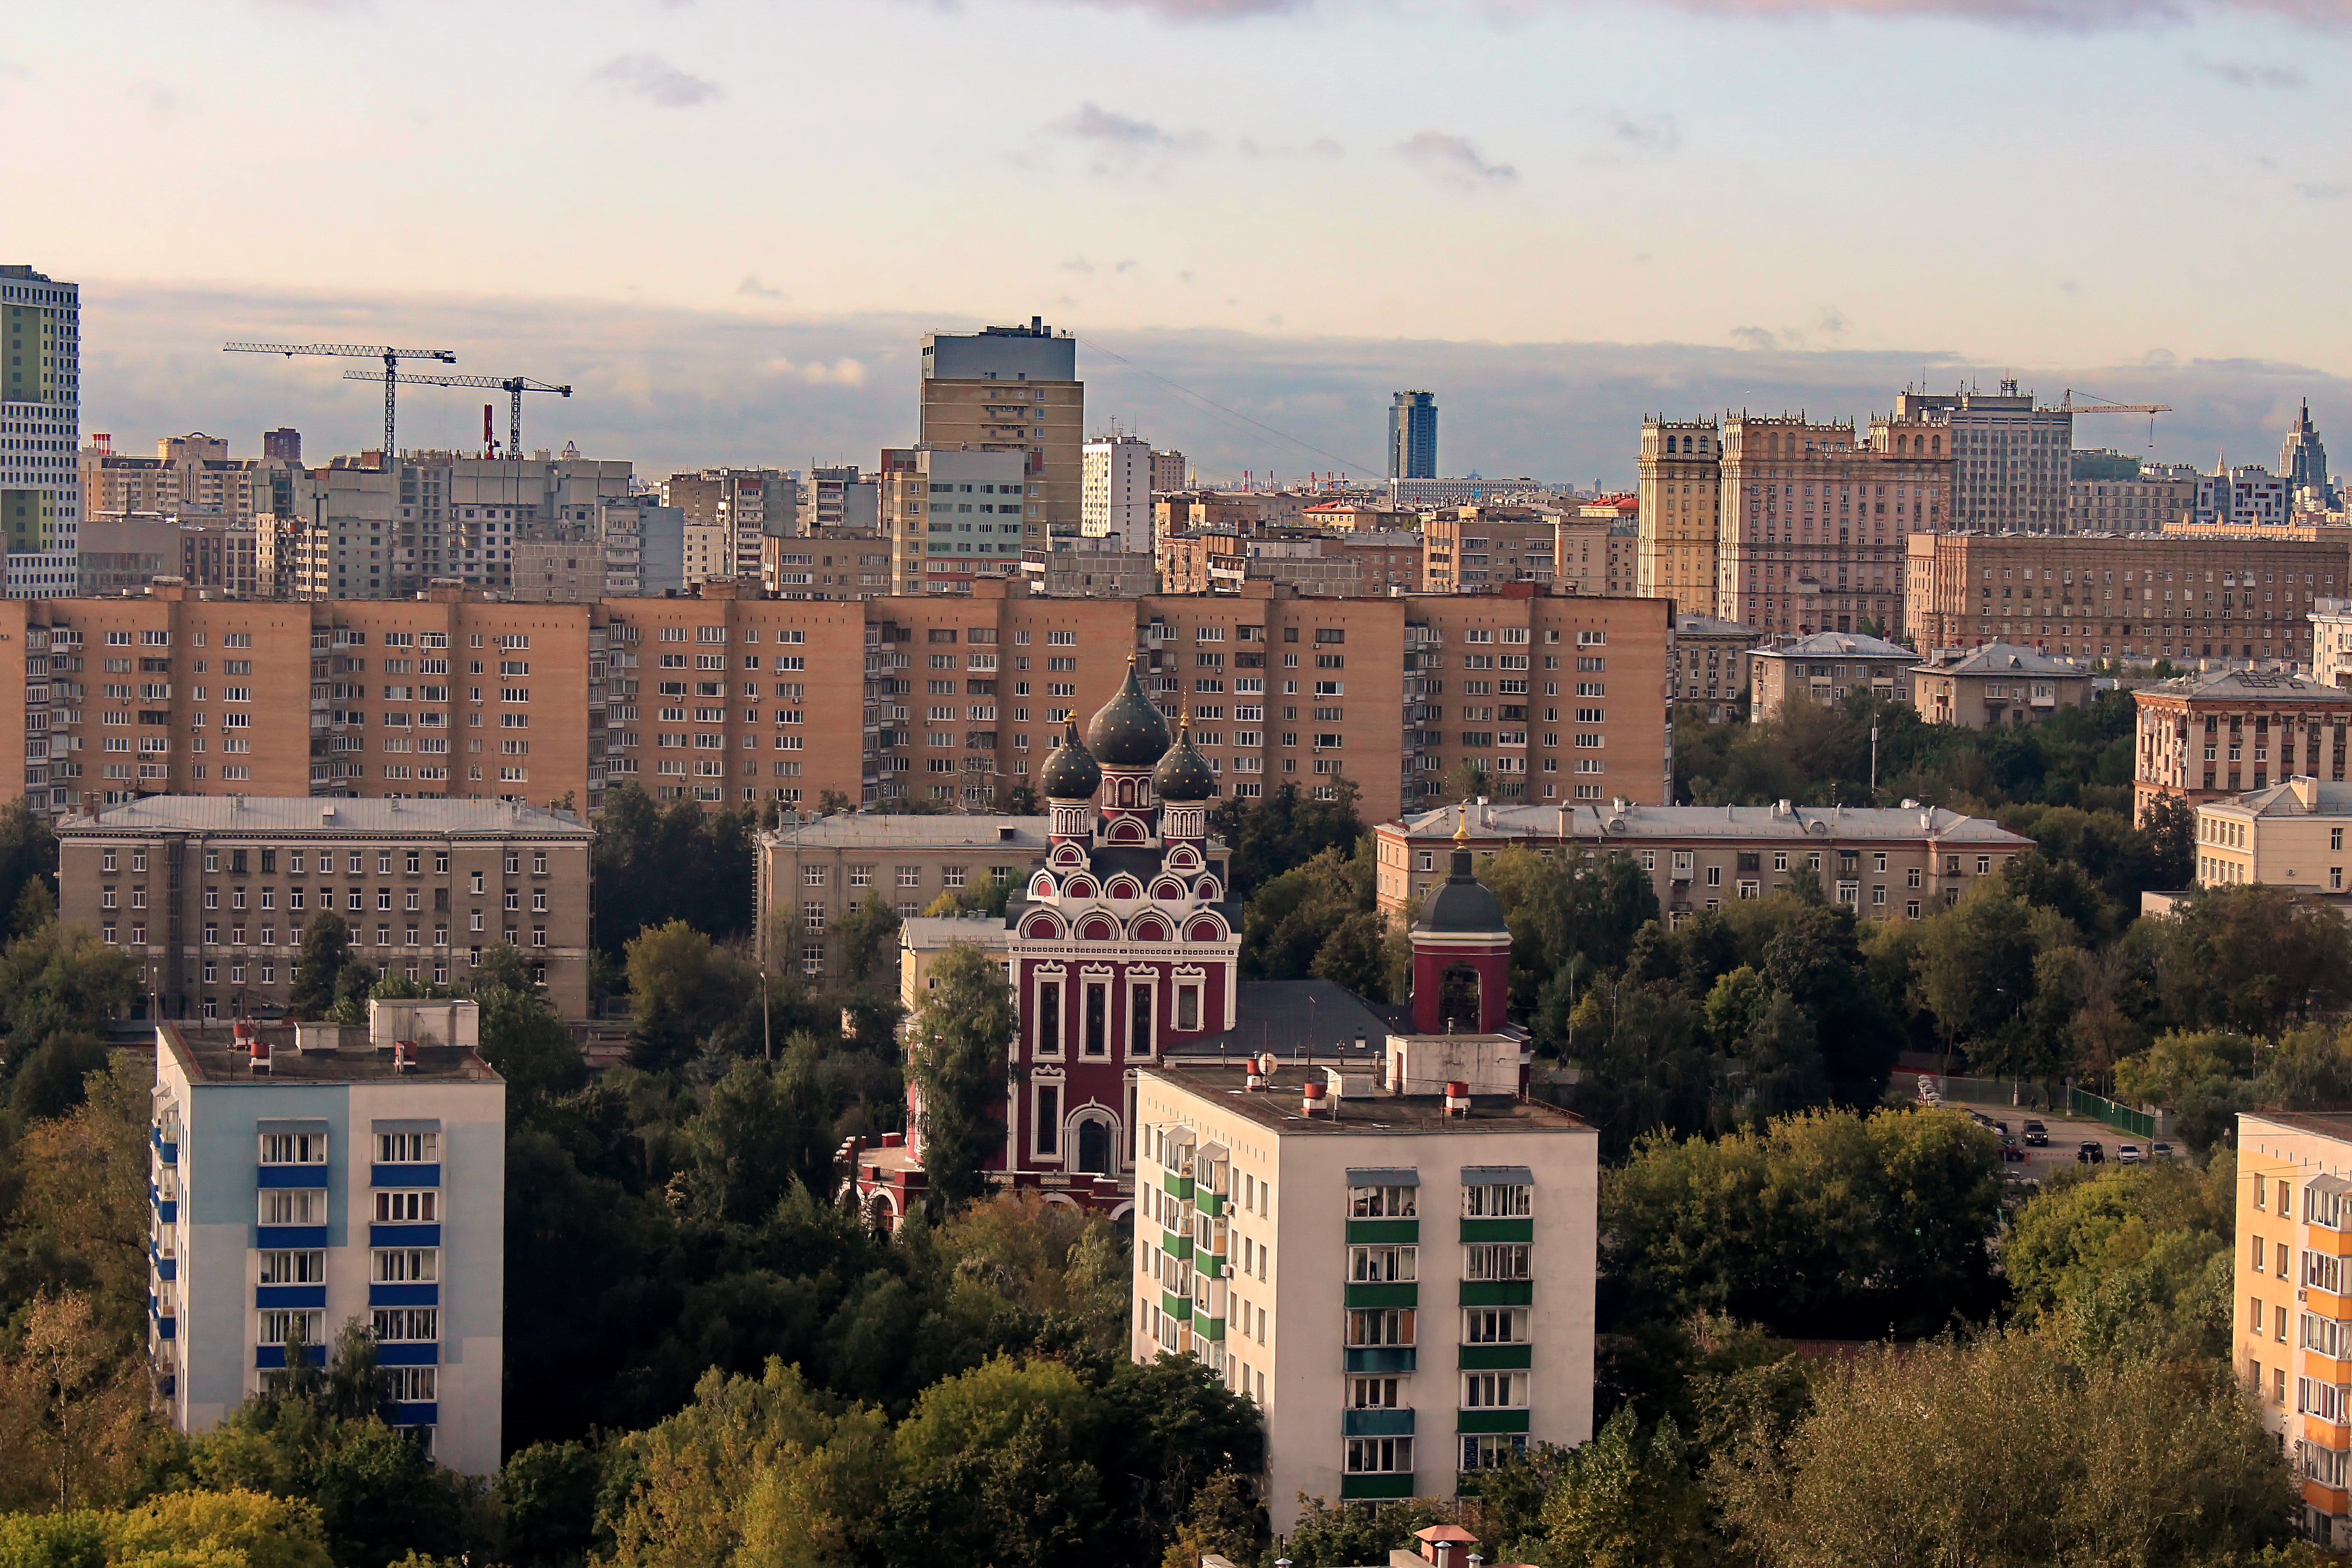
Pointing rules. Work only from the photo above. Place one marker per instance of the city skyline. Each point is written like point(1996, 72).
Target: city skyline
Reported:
point(1192, 212)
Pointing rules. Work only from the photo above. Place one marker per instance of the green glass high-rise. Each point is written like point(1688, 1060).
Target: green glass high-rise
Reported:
point(40, 430)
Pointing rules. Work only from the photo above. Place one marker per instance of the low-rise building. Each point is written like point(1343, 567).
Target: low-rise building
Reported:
point(1884, 863)
point(808, 874)
point(925, 938)
point(2225, 731)
point(2290, 835)
point(1386, 560)
point(302, 1177)
point(210, 894)
point(1825, 668)
point(2331, 642)
point(1708, 664)
point(1995, 685)
point(2291, 1310)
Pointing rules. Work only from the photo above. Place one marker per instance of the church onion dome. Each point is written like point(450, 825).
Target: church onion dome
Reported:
point(1128, 731)
point(1461, 905)
point(1070, 774)
point(1183, 774)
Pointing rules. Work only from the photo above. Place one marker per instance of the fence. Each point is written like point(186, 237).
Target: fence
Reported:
point(2019, 1093)
point(2122, 1118)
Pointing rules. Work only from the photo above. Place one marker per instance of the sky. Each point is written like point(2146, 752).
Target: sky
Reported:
point(726, 224)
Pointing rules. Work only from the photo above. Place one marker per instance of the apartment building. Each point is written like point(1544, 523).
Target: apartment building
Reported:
point(1467, 549)
point(1884, 863)
point(846, 564)
point(40, 402)
point(2248, 496)
point(625, 547)
point(1355, 516)
point(2331, 641)
point(220, 555)
point(1114, 494)
point(1064, 572)
point(1814, 519)
point(955, 516)
point(296, 1183)
point(2142, 596)
point(370, 531)
point(2303, 464)
point(1226, 512)
point(1677, 510)
point(728, 512)
point(1385, 559)
point(837, 496)
point(117, 551)
point(1707, 664)
point(2226, 731)
point(210, 895)
point(2152, 498)
point(1204, 561)
point(1289, 1215)
point(1997, 686)
point(1168, 470)
point(1825, 669)
point(2290, 835)
point(1012, 389)
point(812, 872)
point(2291, 1313)
point(1550, 697)
point(2012, 461)
point(1598, 551)
point(1413, 435)
point(189, 476)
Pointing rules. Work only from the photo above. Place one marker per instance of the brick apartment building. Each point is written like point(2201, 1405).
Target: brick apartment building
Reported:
point(721, 698)
point(2123, 596)
point(2223, 732)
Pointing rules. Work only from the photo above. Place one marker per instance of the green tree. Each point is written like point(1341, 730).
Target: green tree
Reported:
point(1282, 829)
point(73, 1409)
point(2257, 959)
point(79, 1217)
point(742, 1148)
point(1227, 1521)
point(549, 1495)
point(527, 1043)
point(866, 932)
point(995, 1466)
point(957, 1061)
point(1627, 1501)
point(326, 948)
point(682, 986)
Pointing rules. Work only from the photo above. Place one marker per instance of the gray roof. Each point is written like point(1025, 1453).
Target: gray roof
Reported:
point(2002, 658)
point(1691, 626)
point(1839, 645)
point(1591, 823)
point(280, 814)
point(861, 829)
point(927, 932)
point(1289, 1016)
point(2327, 798)
point(2247, 686)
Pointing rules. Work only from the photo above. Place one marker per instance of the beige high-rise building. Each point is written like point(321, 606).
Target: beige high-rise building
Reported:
point(1012, 389)
point(1814, 519)
point(1680, 497)
point(2013, 461)
point(189, 476)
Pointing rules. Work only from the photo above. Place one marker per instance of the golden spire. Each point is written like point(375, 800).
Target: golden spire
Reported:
point(1462, 823)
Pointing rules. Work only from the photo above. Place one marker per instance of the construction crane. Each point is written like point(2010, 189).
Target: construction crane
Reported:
point(514, 386)
point(388, 375)
point(2067, 404)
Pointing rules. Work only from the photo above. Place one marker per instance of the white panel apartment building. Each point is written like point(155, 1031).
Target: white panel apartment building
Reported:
point(294, 1190)
point(40, 431)
point(369, 532)
point(1115, 491)
point(1403, 1280)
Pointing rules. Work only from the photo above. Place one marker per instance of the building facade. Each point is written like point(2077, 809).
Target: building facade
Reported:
point(1471, 548)
point(1413, 435)
point(1011, 389)
point(2288, 835)
point(294, 1190)
point(1115, 498)
point(210, 895)
point(1884, 863)
point(1677, 516)
point(811, 872)
point(1708, 665)
point(2224, 733)
point(736, 510)
point(2331, 641)
point(2012, 461)
point(2303, 464)
point(1167, 470)
point(2142, 596)
point(1995, 686)
point(1825, 669)
point(2152, 499)
point(2292, 1308)
point(955, 516)
point(40, 401)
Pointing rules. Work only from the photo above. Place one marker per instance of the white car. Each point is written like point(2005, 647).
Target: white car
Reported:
point(2128, 1155)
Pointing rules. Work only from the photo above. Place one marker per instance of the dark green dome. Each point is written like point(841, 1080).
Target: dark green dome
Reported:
point(1070, 774)
point(1461, 905)
point(1183, 774)
point(1128, 731)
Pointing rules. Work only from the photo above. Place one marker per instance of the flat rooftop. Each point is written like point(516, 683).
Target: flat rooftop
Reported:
point(217, 1055)
point(1278, 1105)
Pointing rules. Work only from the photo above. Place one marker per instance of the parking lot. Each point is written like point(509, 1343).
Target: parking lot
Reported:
point(2066, 1136)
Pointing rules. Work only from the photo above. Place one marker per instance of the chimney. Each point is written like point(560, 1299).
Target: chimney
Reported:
point(1312, 1105)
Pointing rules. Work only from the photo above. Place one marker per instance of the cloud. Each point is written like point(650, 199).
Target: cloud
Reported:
point(1201, 10)
point(2323, 193)
point(2238, 75)
point(752, 286)
point(1455, 160)
point(1648, 134)
point(2068, 16)
point(1109, 128)
point(655, 80)
point(156, 98)
point(841, 373)
point(1754, 338)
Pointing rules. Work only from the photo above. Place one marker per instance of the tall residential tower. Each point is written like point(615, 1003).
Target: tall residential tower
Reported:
point(1413, 435)
point(1011, 389)
point(41, 413)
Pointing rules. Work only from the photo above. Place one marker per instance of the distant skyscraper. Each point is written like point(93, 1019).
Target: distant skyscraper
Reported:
point(1413, 435)
point(2302, 460)
point(284, 443)
point(1011, 389)
point(40, 400)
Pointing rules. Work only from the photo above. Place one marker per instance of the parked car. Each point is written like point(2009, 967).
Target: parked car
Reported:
point(2000, 1127)
point(2036, 1135)
point(2009, 1152)
point(2127, 1155)
point(2092, 1152)
point(2159, 1151)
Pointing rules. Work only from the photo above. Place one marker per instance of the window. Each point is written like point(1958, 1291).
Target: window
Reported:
point(403, 1265)
point(407, 1148)
point(293, 1267)
point(1188, 1006)
point(422, 1207)
point(294, 1205)
point(1495, 1260)
point(407, 1323)
point(1381, 1265)
point(1391, 1326)
point(281, 1328)
point(1494, 1390)
point(1372, 1392)
point(1513, 1201)
point(1495, 1325)
point(1381, 1202)
point(1493, 1451)
point(293, 1148)
point(1383, 1456)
